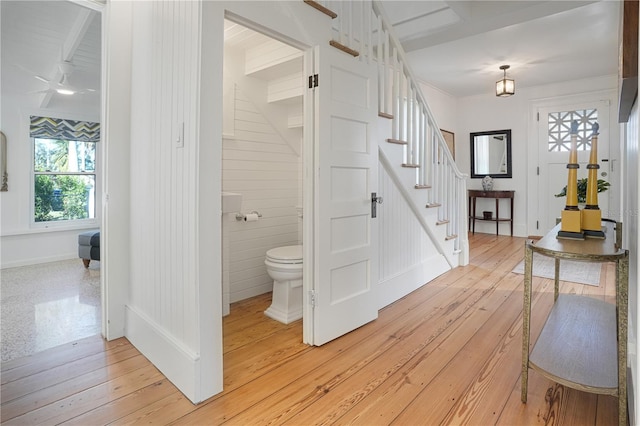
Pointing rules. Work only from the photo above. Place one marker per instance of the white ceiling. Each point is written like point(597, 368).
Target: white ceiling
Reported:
point(36, 37)
point(456, 46)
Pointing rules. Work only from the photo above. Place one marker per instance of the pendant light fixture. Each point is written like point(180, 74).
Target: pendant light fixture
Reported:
point(506, 86)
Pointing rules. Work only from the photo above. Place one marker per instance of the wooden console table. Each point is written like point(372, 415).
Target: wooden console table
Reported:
point(473, 194)
point(583, 344)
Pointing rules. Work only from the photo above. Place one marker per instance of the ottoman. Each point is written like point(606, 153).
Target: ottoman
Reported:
point(89, 246)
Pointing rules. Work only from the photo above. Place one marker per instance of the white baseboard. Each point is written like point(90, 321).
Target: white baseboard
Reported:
point(398, 286)
point(39, 260)
point(178, 363)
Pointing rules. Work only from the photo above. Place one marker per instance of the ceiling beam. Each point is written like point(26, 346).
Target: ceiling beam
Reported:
point(76, 33)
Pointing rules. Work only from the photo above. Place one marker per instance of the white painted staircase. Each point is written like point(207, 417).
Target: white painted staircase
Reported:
point(415, 154)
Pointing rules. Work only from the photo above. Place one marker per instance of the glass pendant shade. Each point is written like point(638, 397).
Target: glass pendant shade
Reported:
point(506, 86)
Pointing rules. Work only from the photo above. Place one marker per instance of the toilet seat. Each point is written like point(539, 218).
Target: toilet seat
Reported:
point(289, 255)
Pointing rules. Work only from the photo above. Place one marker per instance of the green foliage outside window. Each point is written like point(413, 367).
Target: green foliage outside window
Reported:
point(64, 184)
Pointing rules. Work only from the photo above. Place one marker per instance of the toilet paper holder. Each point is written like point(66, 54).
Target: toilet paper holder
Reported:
point(240, 216)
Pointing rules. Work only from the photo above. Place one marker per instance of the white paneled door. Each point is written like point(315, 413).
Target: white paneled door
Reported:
point(345, 165)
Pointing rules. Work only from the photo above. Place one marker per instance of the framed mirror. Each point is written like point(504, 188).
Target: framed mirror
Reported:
point(491, 154)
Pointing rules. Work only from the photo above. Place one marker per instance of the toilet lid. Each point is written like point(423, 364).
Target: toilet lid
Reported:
point(286, 254)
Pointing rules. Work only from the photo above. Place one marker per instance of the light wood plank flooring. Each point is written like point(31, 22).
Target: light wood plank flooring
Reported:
point(450, 353)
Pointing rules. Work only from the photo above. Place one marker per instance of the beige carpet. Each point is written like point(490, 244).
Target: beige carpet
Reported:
point(577, 272)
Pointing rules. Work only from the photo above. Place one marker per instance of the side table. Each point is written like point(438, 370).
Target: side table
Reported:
point(474, 194)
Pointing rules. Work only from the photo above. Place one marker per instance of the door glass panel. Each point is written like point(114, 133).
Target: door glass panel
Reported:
point(560, 127)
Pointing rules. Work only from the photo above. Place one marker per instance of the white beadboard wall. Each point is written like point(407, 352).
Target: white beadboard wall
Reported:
point(261, 165)
point(407, 259)
point(167, 288)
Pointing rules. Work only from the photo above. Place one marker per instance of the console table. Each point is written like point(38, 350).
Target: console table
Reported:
point(474, 194)
point(583, 344)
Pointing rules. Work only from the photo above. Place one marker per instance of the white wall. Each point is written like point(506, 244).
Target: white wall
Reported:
point(22, 242)
point(162, 311)
point(444, 108)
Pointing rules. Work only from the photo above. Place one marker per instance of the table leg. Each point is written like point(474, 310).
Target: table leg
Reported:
point(497, 215)
point(556, 282)
point(622, 280)
point(511, 216)
point(474, 215)
point(526, 317)
point(469, 213)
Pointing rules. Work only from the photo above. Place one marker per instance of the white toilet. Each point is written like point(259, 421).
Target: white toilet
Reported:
point(284, 266)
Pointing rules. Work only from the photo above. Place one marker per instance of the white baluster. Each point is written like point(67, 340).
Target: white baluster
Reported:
point(394, 94)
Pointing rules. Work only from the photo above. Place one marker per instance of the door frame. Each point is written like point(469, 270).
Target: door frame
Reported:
point(533, 149)
point(308, 176)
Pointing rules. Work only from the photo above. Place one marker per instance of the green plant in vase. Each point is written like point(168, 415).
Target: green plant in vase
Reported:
point(603, 185)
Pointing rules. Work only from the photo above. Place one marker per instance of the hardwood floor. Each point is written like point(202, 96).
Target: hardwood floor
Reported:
point(449, 353)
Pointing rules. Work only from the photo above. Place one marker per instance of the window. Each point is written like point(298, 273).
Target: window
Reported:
point(64, 180)
point(560, 127)
point(64, 170)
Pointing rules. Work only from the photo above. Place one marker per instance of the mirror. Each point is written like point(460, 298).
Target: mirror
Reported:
point(491, 154)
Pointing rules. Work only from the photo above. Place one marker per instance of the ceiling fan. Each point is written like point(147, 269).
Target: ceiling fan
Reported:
point(62, 87)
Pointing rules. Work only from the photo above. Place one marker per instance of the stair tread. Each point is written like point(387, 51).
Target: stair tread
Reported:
point(432, 205)
point(442, 222)
point(321, 8)
point(396, 141)
point(344, 48)
point(413, 166)
point(385, 115)
point(451, 237)
point(422, 186)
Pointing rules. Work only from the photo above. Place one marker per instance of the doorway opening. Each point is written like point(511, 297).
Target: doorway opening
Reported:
point(262, 176)
point(57, 302)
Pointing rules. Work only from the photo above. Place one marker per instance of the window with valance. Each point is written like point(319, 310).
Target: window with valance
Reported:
point(64, 167)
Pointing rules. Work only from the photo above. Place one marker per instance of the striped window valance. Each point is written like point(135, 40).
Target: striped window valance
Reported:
point(60, 128)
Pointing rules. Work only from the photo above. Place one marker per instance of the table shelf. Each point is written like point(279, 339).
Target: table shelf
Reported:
point(577, 346)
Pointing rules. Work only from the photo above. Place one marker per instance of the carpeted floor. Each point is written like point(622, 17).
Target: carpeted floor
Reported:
point(47, 305)
point(577, 272)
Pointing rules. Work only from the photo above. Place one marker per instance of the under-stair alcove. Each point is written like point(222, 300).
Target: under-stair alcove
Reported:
point(261, 156)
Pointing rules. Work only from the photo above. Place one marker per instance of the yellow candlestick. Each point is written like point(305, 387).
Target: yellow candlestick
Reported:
point(571, 219)
point(592, 167)
point(573, 166)
point(591, 217)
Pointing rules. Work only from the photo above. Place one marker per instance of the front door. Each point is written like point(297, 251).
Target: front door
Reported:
point(345, 173)
point(553, 148)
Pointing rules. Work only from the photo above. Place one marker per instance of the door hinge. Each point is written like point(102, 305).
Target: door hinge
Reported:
point(537, 224)
point(313, 81)
point(537, 116)
point(312, 298)
point(538, 170)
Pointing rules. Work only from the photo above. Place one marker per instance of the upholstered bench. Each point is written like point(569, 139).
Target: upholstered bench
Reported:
point(89, 246)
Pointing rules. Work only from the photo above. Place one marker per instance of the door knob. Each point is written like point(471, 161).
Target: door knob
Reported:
point(375, 200)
